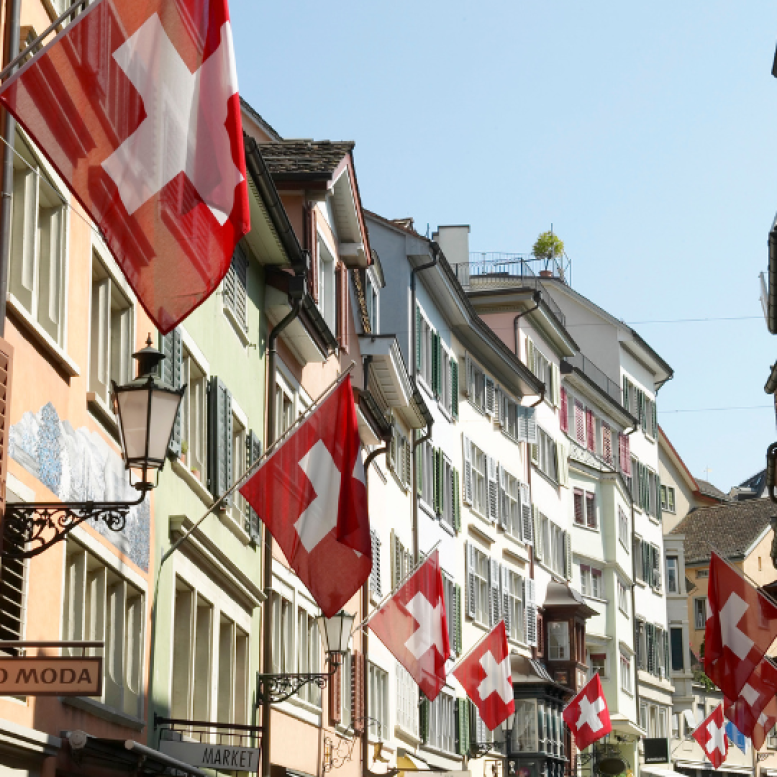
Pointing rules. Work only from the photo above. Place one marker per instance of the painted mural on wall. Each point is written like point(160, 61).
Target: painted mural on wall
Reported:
point(78, 465)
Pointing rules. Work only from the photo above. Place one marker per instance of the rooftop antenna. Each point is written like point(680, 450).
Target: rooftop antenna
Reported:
point(707, 471)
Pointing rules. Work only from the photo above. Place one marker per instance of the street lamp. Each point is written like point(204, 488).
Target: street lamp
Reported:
point(336, 637)
point(146, 409)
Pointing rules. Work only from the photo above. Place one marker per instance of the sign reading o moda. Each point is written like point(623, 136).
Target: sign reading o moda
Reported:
point(51, 676)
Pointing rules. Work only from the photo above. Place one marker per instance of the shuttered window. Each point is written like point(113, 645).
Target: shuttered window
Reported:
point(401, 561)
point(478, 591)
point(375, 581)
point(253, 454)
point(220, 439)
point(236, 288)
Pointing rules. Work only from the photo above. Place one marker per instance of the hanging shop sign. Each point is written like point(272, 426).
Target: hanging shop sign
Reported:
point(51, 676)
point(221, 757)
point(656, 750)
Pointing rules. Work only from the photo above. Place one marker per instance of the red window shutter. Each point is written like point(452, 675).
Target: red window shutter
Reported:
point(579, 518)
point(579, 422)
point(357, 697)
point(564, 413)
point(6, 370)
point(607, 443)
point(335, 696)
point(342, 306)
point(590, 425)
point(590, 511)
point(313, 246)
point(625, 454)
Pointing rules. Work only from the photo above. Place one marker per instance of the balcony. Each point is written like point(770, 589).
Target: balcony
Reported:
point(593, 373)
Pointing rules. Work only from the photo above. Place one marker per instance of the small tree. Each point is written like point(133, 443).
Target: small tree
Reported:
point(547, 247)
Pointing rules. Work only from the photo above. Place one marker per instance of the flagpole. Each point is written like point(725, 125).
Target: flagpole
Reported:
point(472, 649)
point(399, 585)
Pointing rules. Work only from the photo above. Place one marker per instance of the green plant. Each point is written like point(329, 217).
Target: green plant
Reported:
point(184, 447)
point(548, 246)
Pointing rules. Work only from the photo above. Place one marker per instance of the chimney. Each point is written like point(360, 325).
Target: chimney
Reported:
point(454, 242)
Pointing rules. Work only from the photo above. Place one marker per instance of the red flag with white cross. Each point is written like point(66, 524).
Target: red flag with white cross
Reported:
point(311, 496)
point(711, 735)
point(135, 104)
point(587, 716)
point(765, 723)
point(741, 624)
point(413, 626)
point(745, 711)
point(486, 677)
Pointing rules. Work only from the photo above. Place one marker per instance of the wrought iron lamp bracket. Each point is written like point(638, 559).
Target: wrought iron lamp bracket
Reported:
point(276, 688)
point(479, 749)
point(29, 528)
point(336, 754)
point(584, 758)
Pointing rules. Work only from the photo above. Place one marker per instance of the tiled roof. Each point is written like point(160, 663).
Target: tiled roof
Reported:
point(730, 528)
point(707, 489)
point(302, 158)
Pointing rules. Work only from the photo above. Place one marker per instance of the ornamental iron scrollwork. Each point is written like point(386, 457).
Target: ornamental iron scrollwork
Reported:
point(337, 754)
point(30, 528)
point(479, 749)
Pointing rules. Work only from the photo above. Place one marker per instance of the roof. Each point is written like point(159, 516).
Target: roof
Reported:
point(271, 131)
point(732, 527)
point(707, 489)
point(305, 158)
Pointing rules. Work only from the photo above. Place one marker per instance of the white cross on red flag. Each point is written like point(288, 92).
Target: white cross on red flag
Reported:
point(587, 716)
point(136, 106)
point(741, 624)
point(413, 626)
point(711, 735)
point(765, 723)
point(486, 677)
point(311, 496)
point(760, 688)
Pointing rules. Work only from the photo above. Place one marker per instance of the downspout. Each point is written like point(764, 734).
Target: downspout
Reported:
point(413, 335)
point(13, 9)
point(296, 290)
point(537, 296)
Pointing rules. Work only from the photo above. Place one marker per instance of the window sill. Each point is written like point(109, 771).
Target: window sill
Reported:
point(225, 516)
point(402, 485)
point(550, 480)
point(477, 408)
point(481, 532)
point(594, 530)
point(100, 710)
point(52, 351)
point(426, 508)
point(440, 751)
point(192, 481)
point(406, 735)
point(425, 386)
point(594, 598)
point(447, 528)
point(103, 414)
point(446, 414)
point(236, 325)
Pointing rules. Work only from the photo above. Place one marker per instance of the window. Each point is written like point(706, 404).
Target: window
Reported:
point(102, 605)
point(375, 581)
point(346, 681)
point(14, 574)
point(678, 649)
point(442, 729)
point(672, 580)
point(425, 471)
point(591, 581)
point(399, 458)
point(551, 545)
point(700, 613)
point(38, 245)
point(544, 454)
point(558, 640)
point(623, 597)
point(477, 584)
point(585, 509)
point(637, 402)
point(579, 499)
point(308, 653)
point(513, 604)
point(378, 701)
point(519, 423)
point(407, 700)
point(327, 294)
point(236, 287)
point(524, 732)
point(597, 664)
point(282, 634)
point(233, 684)
point(401, 561)
point(476, 385)
point(371, 300)
point(452, 597)
point(194, 415)
point(510, 510)
point(426, 339)
point(771, 739)
point(623, 528)
point(476, 462)
point(238, 506)
point(625, 664)
point(667, 499)
point(546, 371)
point(112, 333)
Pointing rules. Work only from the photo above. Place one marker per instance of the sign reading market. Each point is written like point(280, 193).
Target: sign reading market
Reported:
point(220, 757)
point(51, 676)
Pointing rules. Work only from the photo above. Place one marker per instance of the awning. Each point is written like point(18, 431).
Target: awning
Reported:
point(411, 763)
point(658, 771)
point(709, 767)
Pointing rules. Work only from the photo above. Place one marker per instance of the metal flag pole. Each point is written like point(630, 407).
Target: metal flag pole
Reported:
point(399, 585)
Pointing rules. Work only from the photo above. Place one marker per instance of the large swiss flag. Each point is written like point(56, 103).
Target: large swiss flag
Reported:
point(135, 104)
point(587, 715)
point(711, 735)
point(741, 624)
point(311, 496)
point(413, 626)
point(486, 677)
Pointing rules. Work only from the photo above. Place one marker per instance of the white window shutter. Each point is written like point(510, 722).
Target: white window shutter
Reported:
point(498, 406)
point(527, 524)
point(531, 425)
point(470, 579)
point(538, 549)
point(506, 596)
point(396, 560)
point(556, 384)
point(562, 456)
point(530, 355)
point(490, 396)
point(469, 376)
point(502, 497)
point(495, 609)
point(467, 491)
point(530, 612)
point(567, 555)
point(493, 488)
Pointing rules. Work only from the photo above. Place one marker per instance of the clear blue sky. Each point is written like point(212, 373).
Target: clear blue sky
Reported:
point(646, 133)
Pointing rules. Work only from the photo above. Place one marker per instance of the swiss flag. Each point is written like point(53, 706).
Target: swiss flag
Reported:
point(486, 677)
point(711, 735)
point(311, 496)
point(760, 688)
point(413, 626)
point(587, 716)
point(765, 723)
point(136, 106)
point(741, 624)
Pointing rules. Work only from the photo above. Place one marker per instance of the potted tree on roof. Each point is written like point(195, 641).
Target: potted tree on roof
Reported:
point(547, 247)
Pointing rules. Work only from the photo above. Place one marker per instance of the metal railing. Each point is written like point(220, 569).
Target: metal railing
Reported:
point(590, 370)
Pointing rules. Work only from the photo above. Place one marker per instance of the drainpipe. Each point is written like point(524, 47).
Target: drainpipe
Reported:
point(12, 12)
point(537, 296)
point(296, 292)
point(414, 361)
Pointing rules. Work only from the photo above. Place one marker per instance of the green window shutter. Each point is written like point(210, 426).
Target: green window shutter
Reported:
point(659, 514)
point(220, 476)
point(457, 617)
point(435, 364)
point(418, 338)
point(423, 719)
point(455, 388)
point(655, 420)
point(436, 491)
point(253, 525)
point(456, 500)
point(419, 460)
point(625, 392)
point(462, 721)
point(171, 371)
